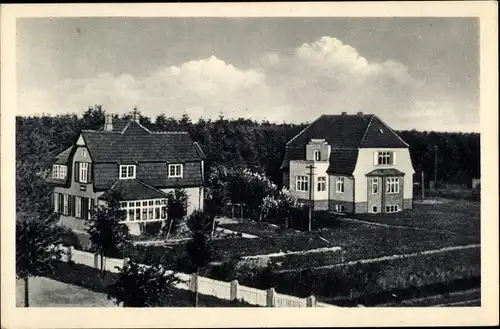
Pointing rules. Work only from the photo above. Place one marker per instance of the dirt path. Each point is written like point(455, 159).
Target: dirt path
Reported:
point(384, 258)
point(359, 221)
point(301, 252)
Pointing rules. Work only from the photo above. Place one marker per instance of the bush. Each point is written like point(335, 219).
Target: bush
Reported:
point(69, 238)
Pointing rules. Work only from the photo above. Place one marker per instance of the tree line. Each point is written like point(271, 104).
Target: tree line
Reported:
point(233, 143)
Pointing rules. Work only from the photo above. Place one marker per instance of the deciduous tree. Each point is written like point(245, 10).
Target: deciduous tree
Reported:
point(108, 234)
point(37, 249)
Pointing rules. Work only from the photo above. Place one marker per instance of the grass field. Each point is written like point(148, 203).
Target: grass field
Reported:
point(448, 215)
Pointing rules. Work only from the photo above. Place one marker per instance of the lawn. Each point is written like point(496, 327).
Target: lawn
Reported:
point(461, 217)
point(45, 292)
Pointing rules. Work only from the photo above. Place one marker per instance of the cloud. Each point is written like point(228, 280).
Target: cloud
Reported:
point(323, 76)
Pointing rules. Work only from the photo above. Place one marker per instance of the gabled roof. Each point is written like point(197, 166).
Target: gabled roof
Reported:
point(62, 157)
point(137, 143)
point(134, 189)
point(346, 134)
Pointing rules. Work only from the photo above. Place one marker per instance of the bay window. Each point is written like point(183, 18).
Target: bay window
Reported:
point(59, 171)
point(339, 184)
point(392, 185)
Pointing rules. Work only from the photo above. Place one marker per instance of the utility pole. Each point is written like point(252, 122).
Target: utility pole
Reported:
point(311, 174)
point(435, 165)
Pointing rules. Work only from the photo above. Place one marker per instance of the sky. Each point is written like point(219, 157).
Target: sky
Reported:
point(414, 73)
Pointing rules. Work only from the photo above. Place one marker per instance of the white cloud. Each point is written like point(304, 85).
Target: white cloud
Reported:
point(323, 76)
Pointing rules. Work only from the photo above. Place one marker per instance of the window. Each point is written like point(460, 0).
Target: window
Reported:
point(339, 185)
point(317, 155)
point(65, 204)
point(339, 208)
point(385, 158)
point(56, 202)
point(127, 171)
point(83, 172)
point(392, 185)
point(321, 184)
point(78, 207)
point(59, 171)
point(375, 209)
point(302, 183)
point(83, 153)
point(392, 208)
point(174, 170)
point(144, 210)
point(375, 185)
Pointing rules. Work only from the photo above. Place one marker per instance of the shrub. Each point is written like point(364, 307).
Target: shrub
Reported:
point(69, 238)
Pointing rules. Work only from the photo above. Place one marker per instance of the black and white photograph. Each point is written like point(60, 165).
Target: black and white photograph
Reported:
point(248, 162)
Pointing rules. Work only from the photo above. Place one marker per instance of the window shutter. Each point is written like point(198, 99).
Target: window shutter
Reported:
point(77, 171)
point(61, 203)
point(89, 173)
point(375, 158)
point(85, 208)
point(70, 204)
point(393, 158)
point(92, 204)
point(73, 205)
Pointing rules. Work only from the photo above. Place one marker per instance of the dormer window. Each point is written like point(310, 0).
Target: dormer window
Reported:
point(317, 155)
point(175, 170)
point(59, 171)
point(127, 171)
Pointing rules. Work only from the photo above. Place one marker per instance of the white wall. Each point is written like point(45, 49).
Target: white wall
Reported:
point(365, 164)
point(299, 168)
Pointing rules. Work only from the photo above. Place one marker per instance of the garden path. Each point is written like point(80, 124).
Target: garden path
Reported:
point(384, 258)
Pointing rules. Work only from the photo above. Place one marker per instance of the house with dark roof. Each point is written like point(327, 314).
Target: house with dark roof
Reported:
point(144, 166)
point(349, 164)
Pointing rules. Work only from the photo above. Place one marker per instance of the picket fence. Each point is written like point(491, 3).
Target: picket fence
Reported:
point(206, 286)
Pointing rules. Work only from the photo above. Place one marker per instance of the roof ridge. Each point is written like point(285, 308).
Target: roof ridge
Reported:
point(366, 131)
point(169, 132)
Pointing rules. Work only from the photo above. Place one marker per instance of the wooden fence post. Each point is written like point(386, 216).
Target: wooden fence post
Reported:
point(270, 297)
point(234, 290)
point(311, 301)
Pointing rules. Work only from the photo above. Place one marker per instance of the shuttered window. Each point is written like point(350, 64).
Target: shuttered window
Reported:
point(78, 207)
point(83, 172)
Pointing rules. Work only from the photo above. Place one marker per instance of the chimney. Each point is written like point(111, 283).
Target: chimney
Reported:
point(344, 113)
point(360, 114)
point(108, 123)
point(135, 115)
